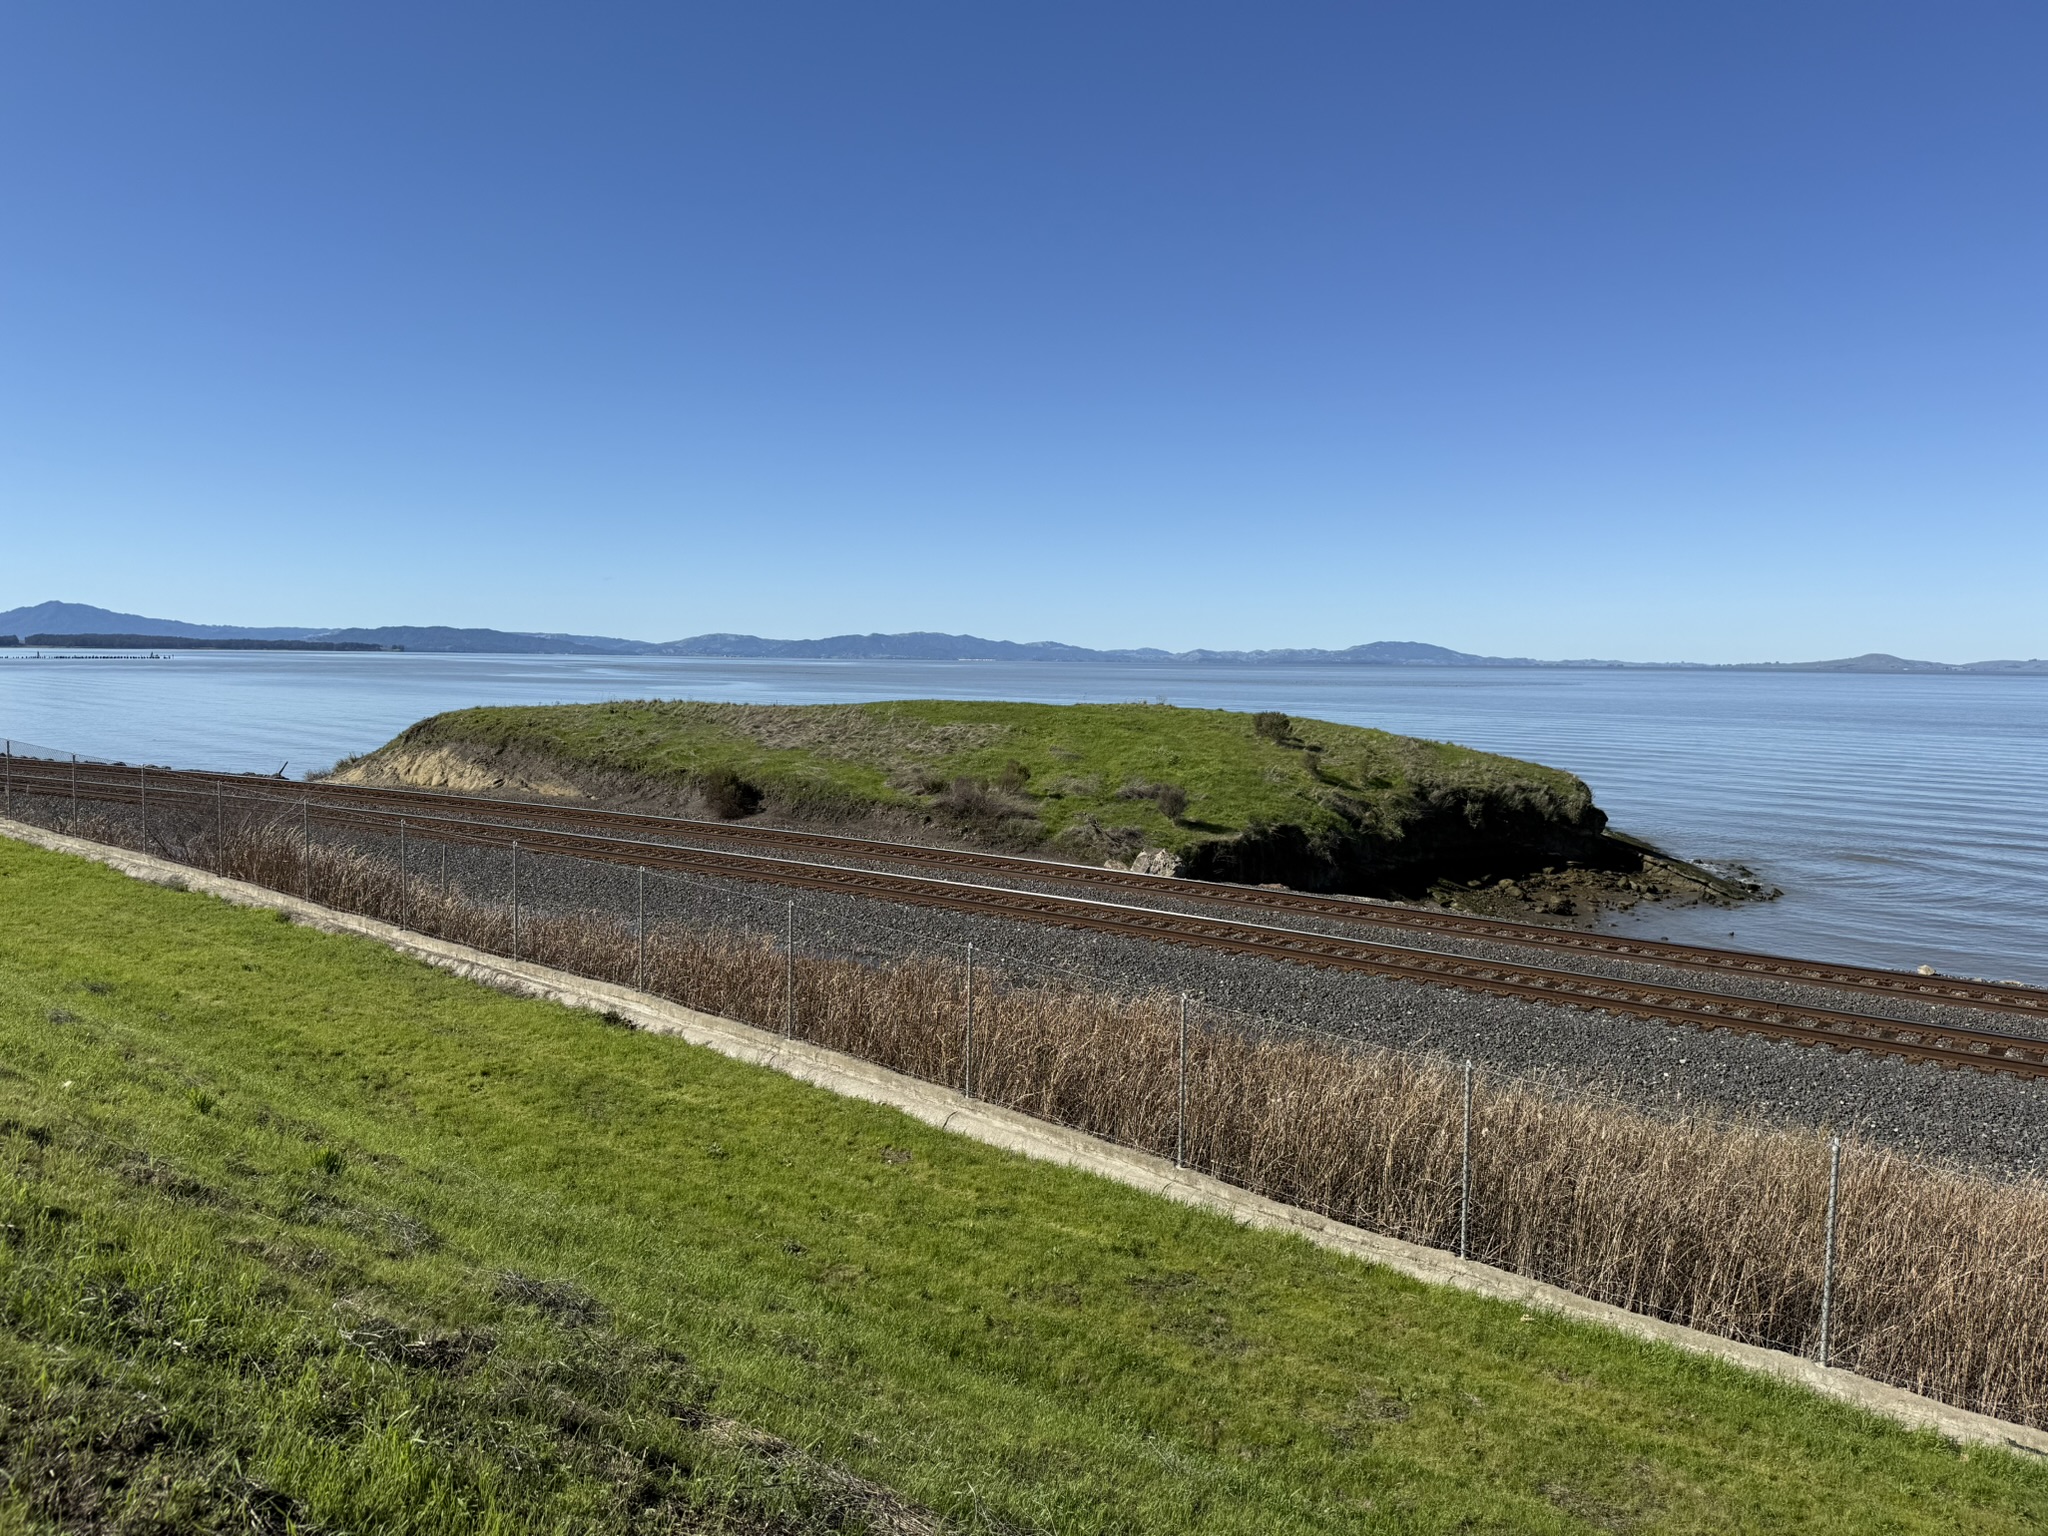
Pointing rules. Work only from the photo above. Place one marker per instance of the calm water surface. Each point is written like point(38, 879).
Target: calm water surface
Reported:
point(1905, 817)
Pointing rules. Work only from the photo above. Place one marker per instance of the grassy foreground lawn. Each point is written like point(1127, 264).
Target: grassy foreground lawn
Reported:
point(294, 1231)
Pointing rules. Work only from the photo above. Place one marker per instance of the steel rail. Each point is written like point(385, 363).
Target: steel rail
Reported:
point(1804, 1024)
point(1903, 985)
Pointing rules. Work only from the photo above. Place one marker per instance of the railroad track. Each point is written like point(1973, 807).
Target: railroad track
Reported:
point(372, 812)
point(122, 784)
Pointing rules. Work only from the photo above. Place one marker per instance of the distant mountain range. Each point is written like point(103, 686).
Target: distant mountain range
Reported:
point(57, 622)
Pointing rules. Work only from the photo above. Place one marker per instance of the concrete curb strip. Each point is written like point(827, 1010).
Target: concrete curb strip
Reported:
point(950, 1111)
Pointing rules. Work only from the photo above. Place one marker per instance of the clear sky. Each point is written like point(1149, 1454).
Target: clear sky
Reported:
point(1713, 331)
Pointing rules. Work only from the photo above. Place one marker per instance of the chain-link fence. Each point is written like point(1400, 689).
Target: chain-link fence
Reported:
point(1904, 1272)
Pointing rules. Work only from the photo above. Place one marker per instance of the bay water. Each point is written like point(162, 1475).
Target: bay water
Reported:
point(1905, 817)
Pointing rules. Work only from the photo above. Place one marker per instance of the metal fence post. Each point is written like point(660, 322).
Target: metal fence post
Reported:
point(1827, 1272)
point(1465, 1172)
point(143, 775)
point(515, 898)
point(967, 1056)
point(10, 777)
point(74, 792)
point(220, 829)
point(1180, 1114)
point(640, 927)
point(306, 848)
point(789, 975)
point(404, 871)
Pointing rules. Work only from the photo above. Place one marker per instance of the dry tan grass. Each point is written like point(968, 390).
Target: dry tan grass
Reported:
point(1708, 1222)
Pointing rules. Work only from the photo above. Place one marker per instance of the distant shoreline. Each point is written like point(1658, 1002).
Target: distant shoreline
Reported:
point(10, 648)
point(84, 626)
point(122, 642)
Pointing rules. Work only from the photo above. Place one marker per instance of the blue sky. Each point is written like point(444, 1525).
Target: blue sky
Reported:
point(1712, 332)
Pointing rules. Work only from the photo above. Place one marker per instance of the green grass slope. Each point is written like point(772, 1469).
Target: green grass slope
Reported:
point(1230, 795)
point(298, 1234)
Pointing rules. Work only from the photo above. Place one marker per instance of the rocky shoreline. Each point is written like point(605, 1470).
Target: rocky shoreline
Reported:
point(1578, 897)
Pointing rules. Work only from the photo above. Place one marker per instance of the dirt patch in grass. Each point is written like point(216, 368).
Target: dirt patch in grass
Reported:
point(563, 1300)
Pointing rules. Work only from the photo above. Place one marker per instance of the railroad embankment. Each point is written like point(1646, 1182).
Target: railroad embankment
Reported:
point(1255, 798)
point(298, 1233)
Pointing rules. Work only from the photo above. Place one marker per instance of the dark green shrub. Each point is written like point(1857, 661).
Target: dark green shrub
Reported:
point(1171, 799)
point(1273, 726)
point(725, 794)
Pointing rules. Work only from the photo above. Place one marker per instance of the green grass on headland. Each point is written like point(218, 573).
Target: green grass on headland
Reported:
point(1236, 796)
point(296, 1231)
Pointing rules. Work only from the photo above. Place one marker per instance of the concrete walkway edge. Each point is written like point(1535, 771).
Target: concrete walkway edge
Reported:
point(1013, 1132)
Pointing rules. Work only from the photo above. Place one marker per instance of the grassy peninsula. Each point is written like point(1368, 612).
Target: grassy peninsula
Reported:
point(1206, 792)
point(297, 1234)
